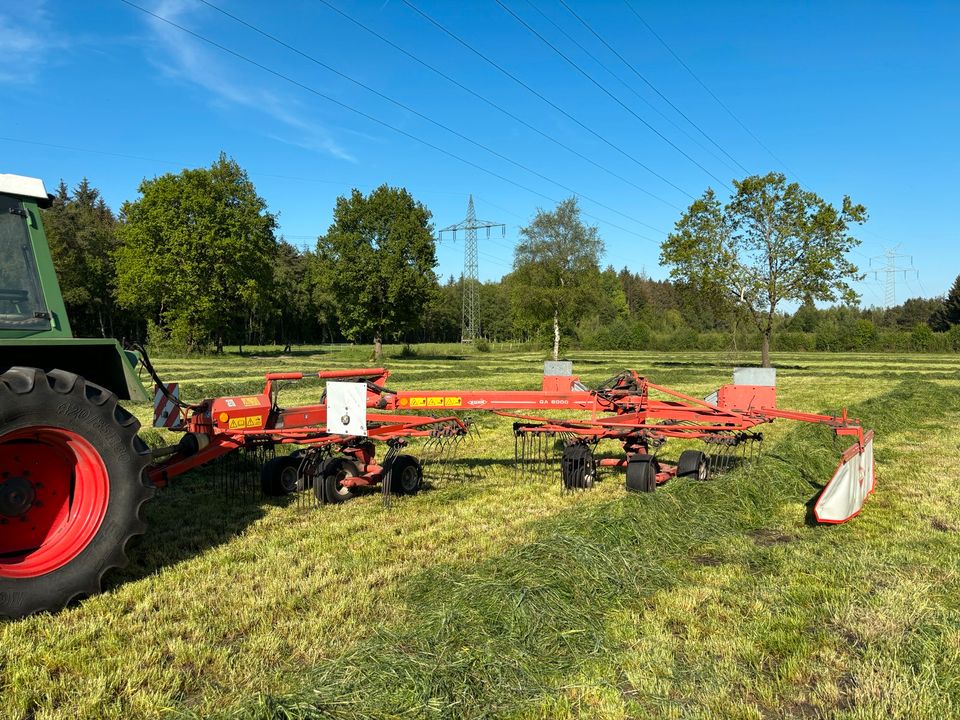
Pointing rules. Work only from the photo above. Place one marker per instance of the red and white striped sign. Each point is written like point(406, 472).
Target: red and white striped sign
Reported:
point(166, 414)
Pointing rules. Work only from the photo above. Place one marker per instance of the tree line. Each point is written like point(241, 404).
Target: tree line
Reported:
point(194, 264)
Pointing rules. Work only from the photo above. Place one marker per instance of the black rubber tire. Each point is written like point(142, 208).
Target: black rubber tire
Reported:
point(578, 469)
point(331, 473)
point(406, 475)
point(31, 398)
point(693, 464)
point(642, 473)
point(278, 476)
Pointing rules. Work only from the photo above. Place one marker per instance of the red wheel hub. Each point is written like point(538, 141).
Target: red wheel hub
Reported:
point(54, 490)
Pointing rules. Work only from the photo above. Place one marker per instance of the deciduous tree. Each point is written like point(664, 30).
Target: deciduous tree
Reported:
point(557, 268)
point(377, 260)
point(197, 252)
point(773, 242)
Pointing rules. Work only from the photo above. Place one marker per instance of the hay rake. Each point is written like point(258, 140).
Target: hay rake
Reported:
point(336, 455)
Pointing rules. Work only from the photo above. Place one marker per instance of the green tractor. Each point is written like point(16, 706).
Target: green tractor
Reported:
point(72, 477)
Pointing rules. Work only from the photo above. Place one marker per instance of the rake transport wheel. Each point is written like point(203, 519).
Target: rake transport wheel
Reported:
point(642, 473)
point(693, 464)
point(406, 475)
point(71, 488)
point(578, 467)
point(332, 474)
point(278, 476)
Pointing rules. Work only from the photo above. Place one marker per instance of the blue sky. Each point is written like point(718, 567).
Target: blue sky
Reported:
point(849, 98)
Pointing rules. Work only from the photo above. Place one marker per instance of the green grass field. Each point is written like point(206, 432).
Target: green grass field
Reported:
point(487, 597)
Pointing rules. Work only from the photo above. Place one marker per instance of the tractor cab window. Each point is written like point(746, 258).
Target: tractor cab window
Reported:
point(21, 302)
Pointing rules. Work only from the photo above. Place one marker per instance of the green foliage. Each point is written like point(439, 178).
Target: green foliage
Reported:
point(407, 352)
point(556, 274)
point(377, 261)
point(82, 233)
point(482, 345)
point(197, 252)
point(947, 314)
point(922, 337)
point(953, 337)
point(773, 242)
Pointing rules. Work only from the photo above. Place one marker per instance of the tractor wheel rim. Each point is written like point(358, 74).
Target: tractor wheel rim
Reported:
point(702, 470)
point(47, 527)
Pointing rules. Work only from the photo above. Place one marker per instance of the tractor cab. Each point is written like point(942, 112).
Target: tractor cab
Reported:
point(23, 307)
point(34, 329)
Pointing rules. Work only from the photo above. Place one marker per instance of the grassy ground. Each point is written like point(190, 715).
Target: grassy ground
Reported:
point(490, 597)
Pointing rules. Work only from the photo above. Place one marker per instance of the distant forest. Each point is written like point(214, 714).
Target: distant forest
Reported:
point(292, 303)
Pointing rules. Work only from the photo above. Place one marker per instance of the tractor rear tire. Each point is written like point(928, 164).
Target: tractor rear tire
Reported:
point(332, 473)
point(642, 473)
point(72, 485)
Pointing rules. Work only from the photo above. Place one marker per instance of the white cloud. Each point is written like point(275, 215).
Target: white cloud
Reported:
point(27, 43)
point(186, 59)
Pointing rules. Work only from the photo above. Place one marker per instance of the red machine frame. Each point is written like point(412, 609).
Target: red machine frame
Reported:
point(621, 409)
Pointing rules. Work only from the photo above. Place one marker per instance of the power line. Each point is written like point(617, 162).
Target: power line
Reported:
point(652, 86)
point(126, 156)
point(549, 102)
point(609, 94)
point(627, 85)
point(361, 113)
point(421, 115)
point(709, 91)
point(496, 106)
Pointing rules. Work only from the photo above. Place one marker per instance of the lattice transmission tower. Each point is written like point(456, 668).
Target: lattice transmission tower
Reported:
point(470, 321)
point(890, 270)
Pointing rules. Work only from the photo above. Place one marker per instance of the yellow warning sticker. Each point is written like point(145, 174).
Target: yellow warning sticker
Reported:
point(250, 401)
point(431, 402)
point(239, 423)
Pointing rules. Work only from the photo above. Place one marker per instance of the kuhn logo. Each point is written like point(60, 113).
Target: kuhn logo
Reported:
point(476, 402)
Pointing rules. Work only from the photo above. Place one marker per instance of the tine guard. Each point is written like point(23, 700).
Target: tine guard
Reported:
point(853, 480)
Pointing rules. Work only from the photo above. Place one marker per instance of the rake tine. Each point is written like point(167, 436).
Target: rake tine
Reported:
point(385, 487)
point(444, 457)
point(527, 451)
point(516, 455)
point(524, 468)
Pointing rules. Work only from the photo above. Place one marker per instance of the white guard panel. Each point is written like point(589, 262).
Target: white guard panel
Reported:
point(844, 495)
point(347, 408)
point(166, 414)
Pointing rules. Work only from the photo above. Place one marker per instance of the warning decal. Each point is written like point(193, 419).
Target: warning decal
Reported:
point(241, 423)
point(431, 402)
